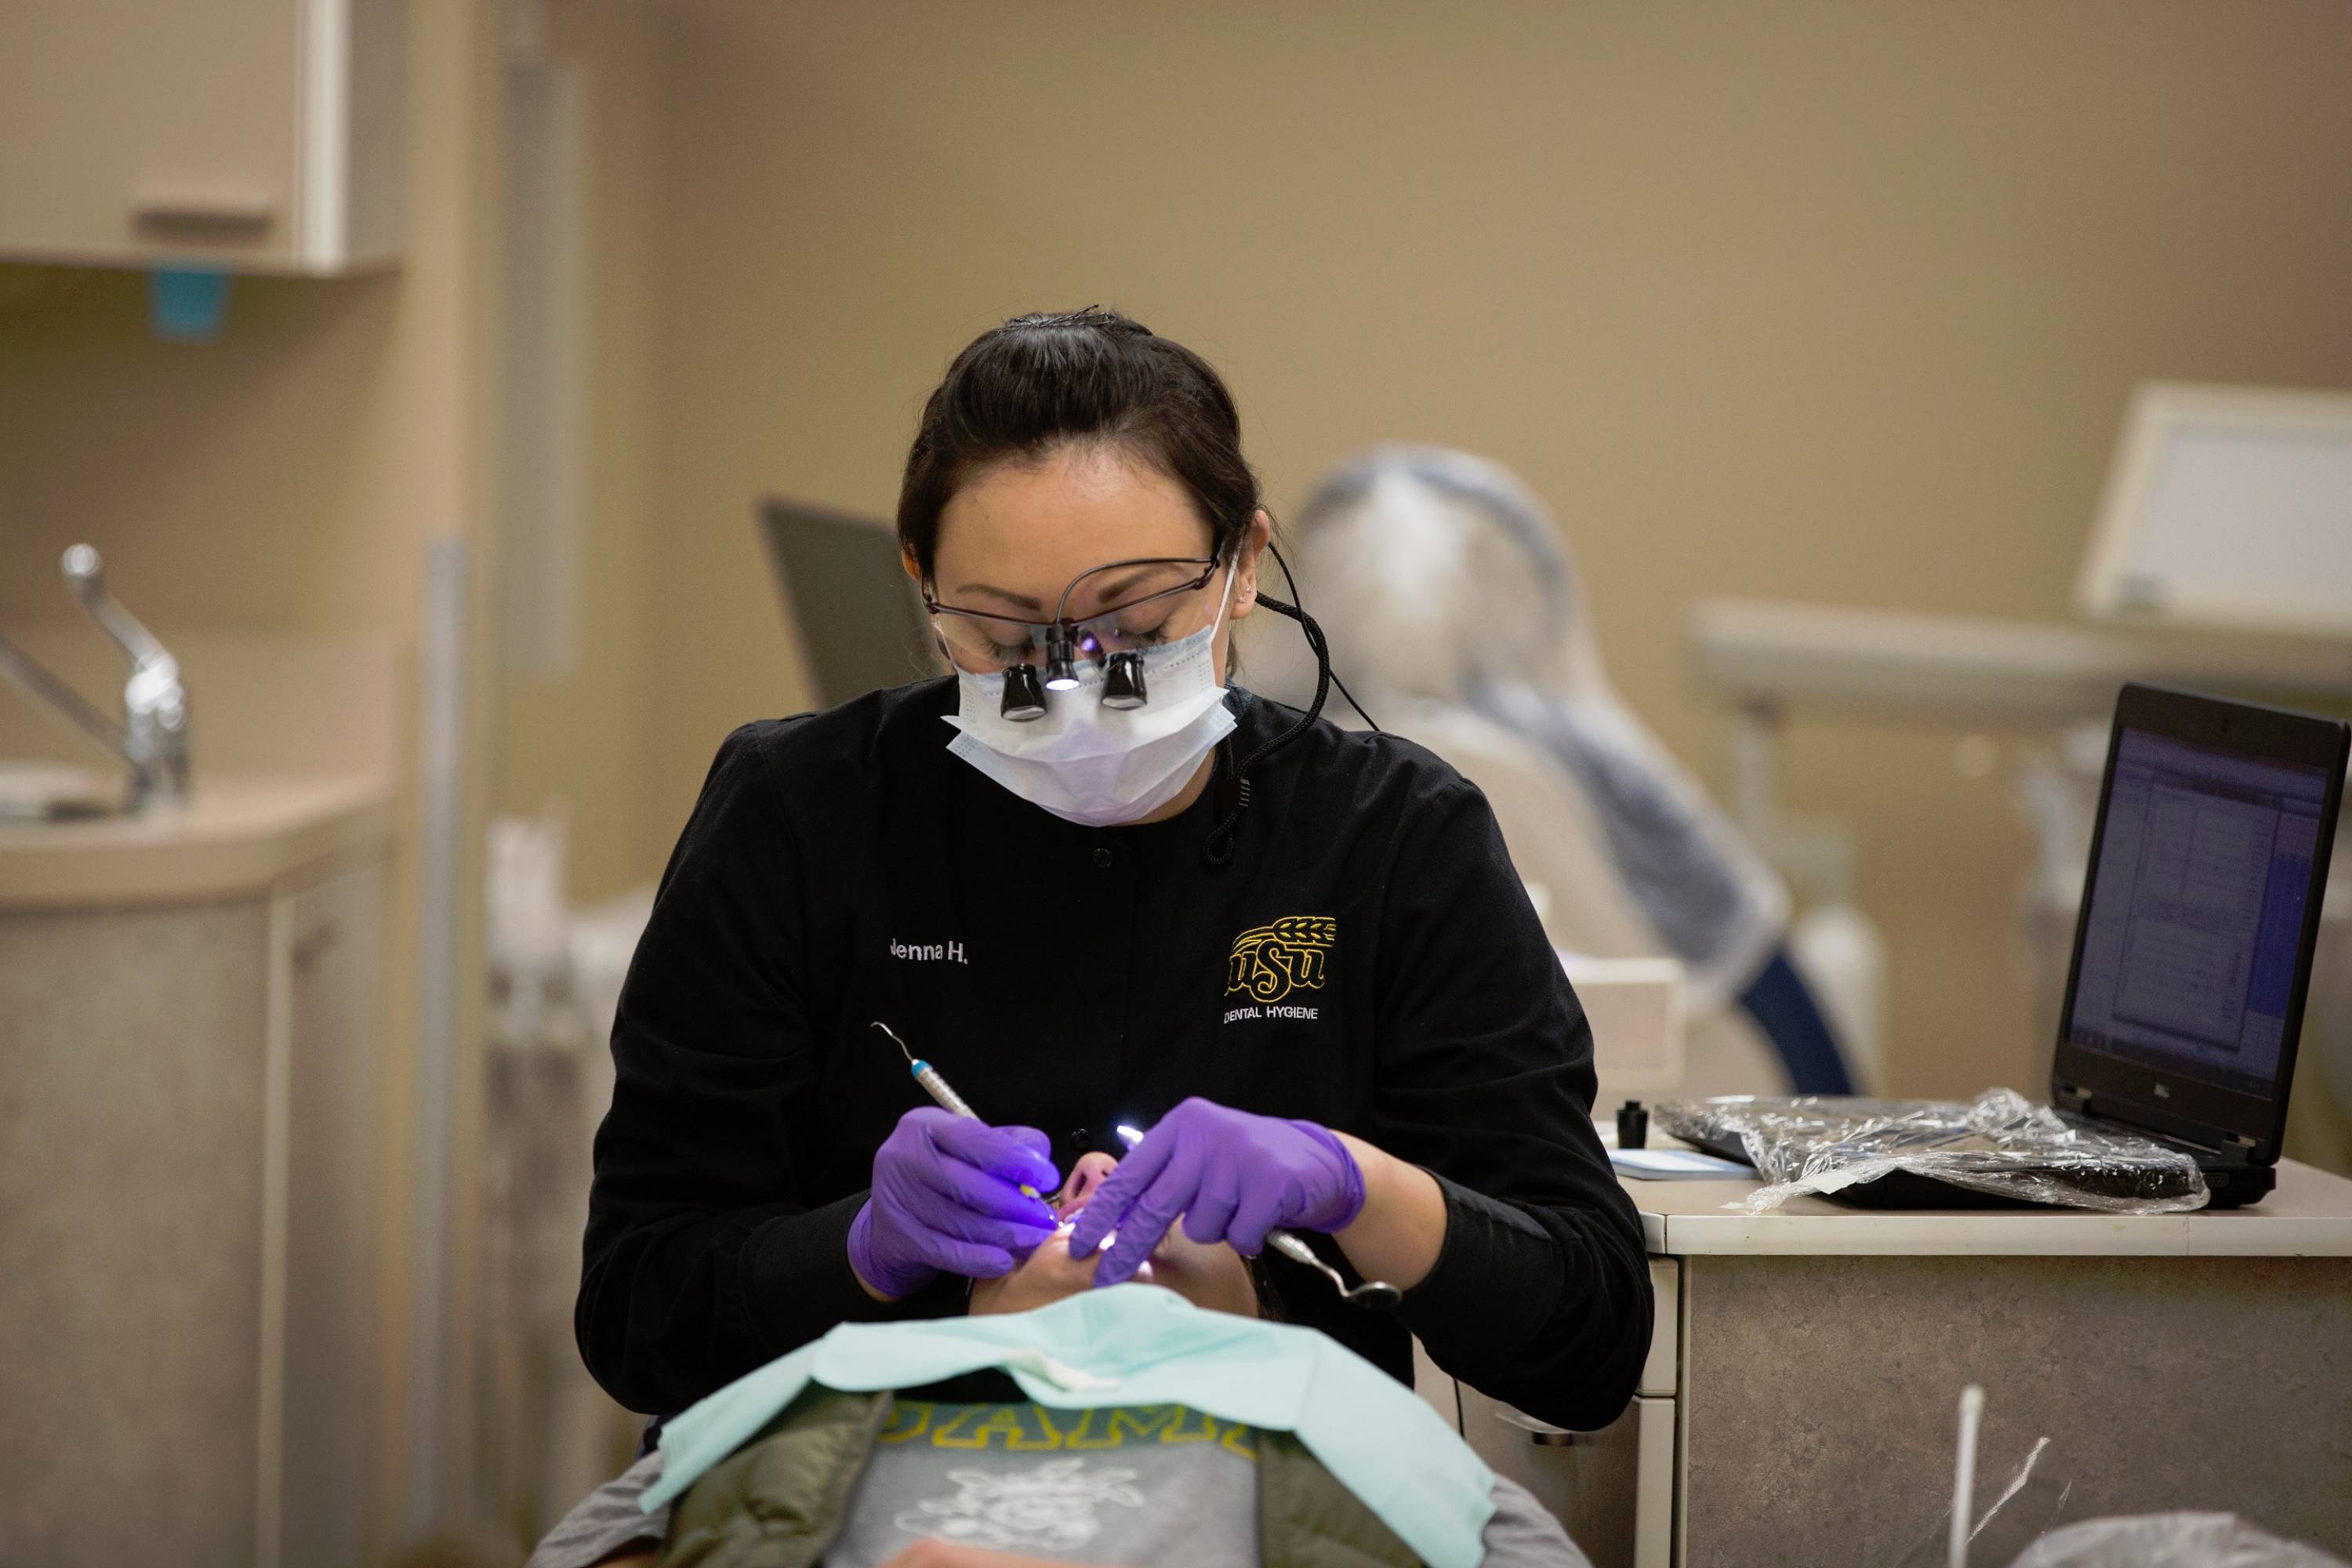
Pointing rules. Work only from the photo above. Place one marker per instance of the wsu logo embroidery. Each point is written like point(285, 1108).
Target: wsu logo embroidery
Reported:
point(1270, 961)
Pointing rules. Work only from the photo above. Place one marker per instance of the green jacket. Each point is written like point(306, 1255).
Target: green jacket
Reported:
point(781, 1499)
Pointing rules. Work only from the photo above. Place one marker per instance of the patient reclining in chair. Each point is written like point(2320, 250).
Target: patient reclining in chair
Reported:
point(1151, 1423)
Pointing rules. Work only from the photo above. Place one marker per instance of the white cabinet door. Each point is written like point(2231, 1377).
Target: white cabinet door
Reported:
point(336, 1083)
point(130, 1220)
point(258, 135)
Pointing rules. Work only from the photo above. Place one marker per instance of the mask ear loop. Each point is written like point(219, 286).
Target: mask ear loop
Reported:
point(1225, 602)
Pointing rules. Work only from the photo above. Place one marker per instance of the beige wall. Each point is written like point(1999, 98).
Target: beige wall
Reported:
point(285, 480)
point(581, 737)
point(1840, 302)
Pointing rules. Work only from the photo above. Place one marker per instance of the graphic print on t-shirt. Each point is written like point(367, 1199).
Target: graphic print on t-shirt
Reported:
point(1153, 1484)
point(1049, 1508)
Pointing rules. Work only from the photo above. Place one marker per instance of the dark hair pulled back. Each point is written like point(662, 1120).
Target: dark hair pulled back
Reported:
point(1018, 391)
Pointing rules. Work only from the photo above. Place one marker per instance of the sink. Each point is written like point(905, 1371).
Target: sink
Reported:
point(56, 792)
point(234, 833)
point(298, 755)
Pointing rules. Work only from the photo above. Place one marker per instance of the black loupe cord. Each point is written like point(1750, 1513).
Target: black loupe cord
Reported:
point(1232, 783)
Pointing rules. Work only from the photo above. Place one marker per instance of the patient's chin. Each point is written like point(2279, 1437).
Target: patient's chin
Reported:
point(1047, 1276)
point(1209, 1277)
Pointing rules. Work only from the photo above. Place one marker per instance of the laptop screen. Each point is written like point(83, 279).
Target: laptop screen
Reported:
point(2195, 910)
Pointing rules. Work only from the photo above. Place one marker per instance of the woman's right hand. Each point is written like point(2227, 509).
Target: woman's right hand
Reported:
point(947, 1198)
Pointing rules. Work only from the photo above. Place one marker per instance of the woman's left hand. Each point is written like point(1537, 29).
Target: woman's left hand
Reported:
point(1230, 1175)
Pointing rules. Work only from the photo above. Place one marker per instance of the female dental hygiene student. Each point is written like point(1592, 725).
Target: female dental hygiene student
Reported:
point(1095, 885)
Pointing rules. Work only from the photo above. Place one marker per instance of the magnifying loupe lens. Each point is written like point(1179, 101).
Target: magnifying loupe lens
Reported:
point(1123, 685)
point(1024, 699)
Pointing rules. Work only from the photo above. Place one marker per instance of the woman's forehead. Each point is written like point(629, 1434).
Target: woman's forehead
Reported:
point(1022, 530)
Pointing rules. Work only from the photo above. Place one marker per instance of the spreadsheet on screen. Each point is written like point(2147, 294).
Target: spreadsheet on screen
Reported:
point(2195, 909)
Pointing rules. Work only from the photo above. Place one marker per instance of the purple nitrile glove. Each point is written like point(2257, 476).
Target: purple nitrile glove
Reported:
point(947, 1198)
point(1234, 1176)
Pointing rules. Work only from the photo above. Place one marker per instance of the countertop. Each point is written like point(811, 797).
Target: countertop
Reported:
point(237, 834)
point(2308, 1214)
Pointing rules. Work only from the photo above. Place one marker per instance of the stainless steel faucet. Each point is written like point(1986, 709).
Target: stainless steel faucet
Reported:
point(152, 737)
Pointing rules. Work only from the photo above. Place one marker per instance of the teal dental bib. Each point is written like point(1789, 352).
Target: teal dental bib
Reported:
point(1140, 1345)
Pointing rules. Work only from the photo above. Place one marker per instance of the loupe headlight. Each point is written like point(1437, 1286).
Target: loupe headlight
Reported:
point(1061, 660)
point(1024, 699)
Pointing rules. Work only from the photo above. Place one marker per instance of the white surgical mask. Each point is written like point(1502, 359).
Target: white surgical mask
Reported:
point(1101, 767)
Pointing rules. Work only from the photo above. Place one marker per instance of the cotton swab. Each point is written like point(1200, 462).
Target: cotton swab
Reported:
point(1964, 1476)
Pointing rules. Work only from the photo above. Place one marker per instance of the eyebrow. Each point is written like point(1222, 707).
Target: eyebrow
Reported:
point(1110, 591)
point(1024, 600)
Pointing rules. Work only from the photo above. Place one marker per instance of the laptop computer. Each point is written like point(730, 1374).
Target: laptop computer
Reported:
point(848, 602)
point(2192, 953)
point(2201, 911)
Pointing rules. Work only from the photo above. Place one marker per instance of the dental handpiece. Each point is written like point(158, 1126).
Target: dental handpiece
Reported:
point(937, 1088)
point(1373, 1294)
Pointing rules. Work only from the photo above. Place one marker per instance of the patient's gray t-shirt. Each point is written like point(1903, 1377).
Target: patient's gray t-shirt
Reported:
point(608, 1522)
point(1149, 1485)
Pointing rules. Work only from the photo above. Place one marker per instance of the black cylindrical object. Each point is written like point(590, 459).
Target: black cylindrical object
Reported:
point(1123, 684)
point(1024, 698)
point(1061, 659)
point(1633, 1126)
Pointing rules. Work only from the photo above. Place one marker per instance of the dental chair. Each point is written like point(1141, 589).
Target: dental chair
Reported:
point(1561, 854)
point(1454, 611)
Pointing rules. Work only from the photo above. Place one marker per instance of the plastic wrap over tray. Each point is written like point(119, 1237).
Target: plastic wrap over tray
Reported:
point(2001, 1142)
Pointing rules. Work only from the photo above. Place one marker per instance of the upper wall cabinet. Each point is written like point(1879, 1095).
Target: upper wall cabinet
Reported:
point(258, 135)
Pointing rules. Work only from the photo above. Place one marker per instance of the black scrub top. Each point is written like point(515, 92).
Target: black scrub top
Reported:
point(1366, 960)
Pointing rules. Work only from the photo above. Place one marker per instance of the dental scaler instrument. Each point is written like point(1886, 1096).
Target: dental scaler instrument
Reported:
point(1372, 1295)
point(937, 1088)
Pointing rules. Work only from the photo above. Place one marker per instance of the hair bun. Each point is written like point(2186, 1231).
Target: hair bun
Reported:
point(1092, 374)
point(1090, 317)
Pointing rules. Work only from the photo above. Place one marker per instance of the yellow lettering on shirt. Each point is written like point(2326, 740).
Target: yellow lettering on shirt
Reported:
point(1032, 1427)
point(1114, 1428)
point(1015, 1427)
point(907, 1420)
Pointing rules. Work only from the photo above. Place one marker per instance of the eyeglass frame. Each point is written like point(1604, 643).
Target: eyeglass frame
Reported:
point(1061, 622)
